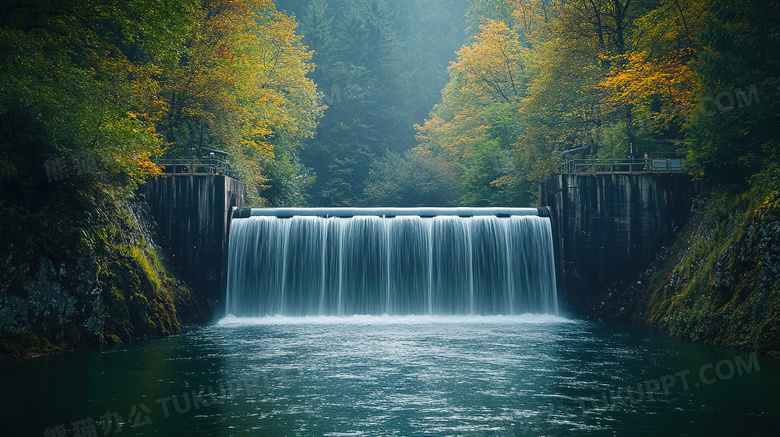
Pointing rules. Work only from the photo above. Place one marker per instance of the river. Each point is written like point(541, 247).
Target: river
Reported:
point(406, 375)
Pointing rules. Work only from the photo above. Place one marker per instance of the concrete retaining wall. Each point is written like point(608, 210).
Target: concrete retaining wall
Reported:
point(611, 226)
point(193, 212)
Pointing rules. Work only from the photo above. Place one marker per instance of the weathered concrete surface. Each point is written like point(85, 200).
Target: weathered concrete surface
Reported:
point(193, 212)
point(611, 226)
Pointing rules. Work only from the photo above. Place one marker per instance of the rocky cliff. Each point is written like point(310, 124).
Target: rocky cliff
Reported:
point(54, 297)
point(719, 283)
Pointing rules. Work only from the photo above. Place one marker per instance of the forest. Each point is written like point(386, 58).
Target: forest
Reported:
point(534, 83)
point(368, 103)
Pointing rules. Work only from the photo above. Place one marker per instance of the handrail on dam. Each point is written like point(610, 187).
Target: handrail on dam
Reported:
point(195, 166)
point(389, 212)
point(626, 165)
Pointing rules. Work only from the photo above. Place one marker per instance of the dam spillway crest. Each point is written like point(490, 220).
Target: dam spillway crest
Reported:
point(403, 261)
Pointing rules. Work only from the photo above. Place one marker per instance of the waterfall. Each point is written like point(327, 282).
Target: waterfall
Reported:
point(440, 262)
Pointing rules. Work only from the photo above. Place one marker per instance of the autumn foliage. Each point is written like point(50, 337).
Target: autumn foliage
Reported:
point(545, 81)
point(128, 82)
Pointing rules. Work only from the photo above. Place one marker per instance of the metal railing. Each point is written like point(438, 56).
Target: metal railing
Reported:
point(625, 165)
point(196, 166)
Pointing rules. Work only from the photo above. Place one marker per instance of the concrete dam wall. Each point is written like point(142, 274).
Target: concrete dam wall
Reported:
point(193, 212)
point(607, 227)
point(610, 227)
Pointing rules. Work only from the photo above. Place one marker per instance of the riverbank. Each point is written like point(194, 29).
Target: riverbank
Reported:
point(719, 284)
point(112, 285)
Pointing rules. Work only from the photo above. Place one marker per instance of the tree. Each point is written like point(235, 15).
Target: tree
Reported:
point(732, 128)
point(656, 77)
point(240, 86)
point(78, 92)
point(475, 125)
point(79, 78)
point(380, 68)
point(411, 180)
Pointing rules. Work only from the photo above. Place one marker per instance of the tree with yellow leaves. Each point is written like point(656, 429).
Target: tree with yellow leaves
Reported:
point(656, 77)
point(474, 124)
point(241, 86)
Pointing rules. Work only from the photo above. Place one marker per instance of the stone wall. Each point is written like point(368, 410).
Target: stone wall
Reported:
point(611, 226)
point(193, 212)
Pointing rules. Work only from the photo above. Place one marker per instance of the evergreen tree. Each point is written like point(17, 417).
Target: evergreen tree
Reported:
point(380, 67)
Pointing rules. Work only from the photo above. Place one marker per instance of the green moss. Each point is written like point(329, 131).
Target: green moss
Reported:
point(28, 344)
point(139, 297)
point(150, 270)
point(718, 284)
point(142, 296)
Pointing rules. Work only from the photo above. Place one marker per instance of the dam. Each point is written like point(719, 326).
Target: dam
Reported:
point(395, 261)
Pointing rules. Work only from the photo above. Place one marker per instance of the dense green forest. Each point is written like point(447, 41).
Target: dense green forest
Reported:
point(116, 84)
point(692, 78)
point(380, 67)
point(533, 78)
point(423, 102)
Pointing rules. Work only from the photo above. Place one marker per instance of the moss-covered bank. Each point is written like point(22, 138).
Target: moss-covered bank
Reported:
point(114, 289)
point(719, 283)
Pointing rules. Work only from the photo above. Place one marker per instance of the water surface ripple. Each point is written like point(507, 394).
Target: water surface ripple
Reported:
point(412, 375)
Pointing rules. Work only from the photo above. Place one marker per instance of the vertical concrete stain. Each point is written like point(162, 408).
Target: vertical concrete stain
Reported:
point(193, 212)
point(610, 227)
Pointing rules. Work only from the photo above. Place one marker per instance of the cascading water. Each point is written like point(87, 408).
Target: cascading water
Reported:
point(311, 263)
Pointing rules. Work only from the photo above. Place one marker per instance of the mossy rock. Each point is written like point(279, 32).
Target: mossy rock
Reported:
point(768, 339)
point(718, 283)
point(137, 295)
point(111, 339)
point(28, 344)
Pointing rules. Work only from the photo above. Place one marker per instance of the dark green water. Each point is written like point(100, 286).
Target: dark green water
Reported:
point(526, 375)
